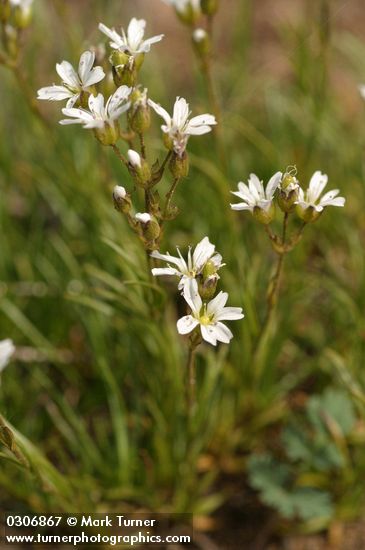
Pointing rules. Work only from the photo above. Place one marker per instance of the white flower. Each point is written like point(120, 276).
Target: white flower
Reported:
point(204, 252)
point(131, 42)
point(99, 114)
point(7, 349)
point(119, 192)
point(179, 127)
point(134, 158)
point(254, 195)
point(208, 316)
point(311, 198)
point(143, 217)
point(73, 83)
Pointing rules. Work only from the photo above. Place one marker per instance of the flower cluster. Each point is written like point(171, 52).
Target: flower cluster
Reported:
point(198, 277)
point(285, 190)
point(83, 89)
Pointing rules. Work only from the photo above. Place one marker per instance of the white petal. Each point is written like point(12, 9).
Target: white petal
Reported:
point(96, 75)
point(273, 185)
point(158, 271)
point(186, 324)
point(114, 105)
point(197, 130)
point(316, 185)
point(118, 41)
point(146, 44)
point(68, 74)
point(81, 114)
point(241, 206)
point(217, 304)
point(181, 112)
point(96, 106)
point(85, 65)
point(160, 111)
point(216, 333)
point(54, 93)
point(179, 262)
point(256, 187)
point(203, 251)
point(71, 102)
point(200, 124)
point(230, 314)
point(191, 295)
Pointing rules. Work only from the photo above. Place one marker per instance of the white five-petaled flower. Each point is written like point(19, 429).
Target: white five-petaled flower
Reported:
point(179, 127)
point(186, 270)
point(73, 83)
point(132, 41)
point(7, 349)
point(311, 198)
point(208, 316)
point(100, 114)
point(254, 194)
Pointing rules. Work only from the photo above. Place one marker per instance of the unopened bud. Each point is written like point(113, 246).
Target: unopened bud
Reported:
point(4, 10)
point(208, 286)
point(11, 41)
point(287, 201)
point(122, 199)
point(201, 42)
point(188, 12)
point(210, 269)
point(149, 226)
point(109, 134)
point(309, 214)
point(22, 15)
point(264, 216)
point(179, 165)
point(139, 114)
point(124, 69)
point(139, 169)
point(209, 7)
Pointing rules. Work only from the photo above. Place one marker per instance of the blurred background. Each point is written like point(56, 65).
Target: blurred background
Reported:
point(94, 398)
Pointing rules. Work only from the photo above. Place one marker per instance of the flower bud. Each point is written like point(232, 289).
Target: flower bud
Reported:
point(201, 42)
point(208, 286)
point(139, 169)
point(124, 69)
point(179, 165)
point(139, 114)
point(109, 134)
point(264, 216)
point(122, 199)
point(309, 214)
point(149, 226)
point(187, 12)
point(209, 7)
point(168, 141)
point(287, 201)
point(11, 41)
point(4, 10)
point(22, 16)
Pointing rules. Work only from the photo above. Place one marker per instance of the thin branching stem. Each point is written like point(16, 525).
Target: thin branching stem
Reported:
point(119, 154)
point(191, 380)
point(169, 197)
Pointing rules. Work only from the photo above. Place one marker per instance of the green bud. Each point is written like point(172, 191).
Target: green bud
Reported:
point(168, 141)
point(4, 10)
point(209, 269)
point(139, 114)
point(287, 201)
point(208, 286)
point(309, 214)
point(188, 15)
point(124, 69)
point(209, 7)
point(288, 179)
point(149, 227)
point(119, 58)
point(122, 199)
point(179, 166)
point(138, 60)
point(22, 17)
point(139, 169)
point(201, 43)
point(108, 135)
point(264, 216)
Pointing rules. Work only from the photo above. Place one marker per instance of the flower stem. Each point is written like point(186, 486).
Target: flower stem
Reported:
point(272, 296)
point(169, 196)
point(191, 380)
point(119, 154)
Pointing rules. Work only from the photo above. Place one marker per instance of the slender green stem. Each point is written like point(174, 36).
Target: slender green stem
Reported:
point(191, 380)
point(143, 145)
point(169, 197)
point(119, 154)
